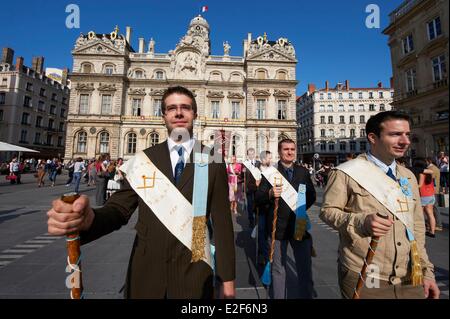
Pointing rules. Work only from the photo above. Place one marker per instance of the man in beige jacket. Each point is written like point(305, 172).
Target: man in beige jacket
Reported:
point(352, 210)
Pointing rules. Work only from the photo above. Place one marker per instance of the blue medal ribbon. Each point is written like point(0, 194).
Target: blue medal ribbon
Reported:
point(200, 191)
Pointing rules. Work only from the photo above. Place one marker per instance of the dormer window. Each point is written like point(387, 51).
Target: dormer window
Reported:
point(159, 75)
point(87, 68)
point(138, 74)
point(109, 69)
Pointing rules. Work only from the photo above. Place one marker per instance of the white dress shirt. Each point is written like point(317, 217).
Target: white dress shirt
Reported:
point(173, 150)
point(380, 164)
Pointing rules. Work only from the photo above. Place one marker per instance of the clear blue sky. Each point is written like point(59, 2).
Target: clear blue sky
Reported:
point(330, 37)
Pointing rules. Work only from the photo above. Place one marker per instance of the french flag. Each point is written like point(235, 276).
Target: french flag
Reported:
point(204, 9)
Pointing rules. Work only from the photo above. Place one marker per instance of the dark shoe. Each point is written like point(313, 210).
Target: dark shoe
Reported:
point(430, 234)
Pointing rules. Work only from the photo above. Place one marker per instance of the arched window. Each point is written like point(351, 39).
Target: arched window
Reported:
point(87, 68)
point(215, 76)
point(235, 77)
point(108, 69)
point(261, 74)
point(104, 142)
point(138, 74)
point(159, 75)
point(81, 142)
point(131, 143)
point(282, 75)
point(154, 139)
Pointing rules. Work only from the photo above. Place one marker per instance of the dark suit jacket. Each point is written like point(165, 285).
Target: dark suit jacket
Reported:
point(286, 218)
point(250, 182)
point(160, 265)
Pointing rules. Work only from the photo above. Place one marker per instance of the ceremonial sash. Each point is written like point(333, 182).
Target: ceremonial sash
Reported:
point(295, 200)
point(170, 206)
point(395, 196)
point(256, 173)
point(382, 187)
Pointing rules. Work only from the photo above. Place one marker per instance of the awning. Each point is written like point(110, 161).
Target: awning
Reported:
point(5, 147)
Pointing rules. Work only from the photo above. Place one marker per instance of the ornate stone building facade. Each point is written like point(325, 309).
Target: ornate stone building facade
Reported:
point(116, 92)
point(418, 40)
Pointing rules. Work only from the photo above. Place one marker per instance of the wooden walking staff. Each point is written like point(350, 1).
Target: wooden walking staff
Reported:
point(266, 277)
point(74, 254)
point(367, 261)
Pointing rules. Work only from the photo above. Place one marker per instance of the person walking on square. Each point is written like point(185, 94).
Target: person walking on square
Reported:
point(385, 207)
point(234, 171)
point(178, 192)
point(296, 185)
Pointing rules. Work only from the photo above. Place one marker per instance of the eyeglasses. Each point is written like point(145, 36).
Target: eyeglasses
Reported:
point(175, 108)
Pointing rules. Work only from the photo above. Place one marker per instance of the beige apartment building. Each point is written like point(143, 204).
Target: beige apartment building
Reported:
point(332, 121)
point(418, 39)
point(115, 102)
point(33, 107)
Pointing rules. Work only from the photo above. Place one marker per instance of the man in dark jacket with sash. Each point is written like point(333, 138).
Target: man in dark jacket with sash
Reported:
point(170, 256)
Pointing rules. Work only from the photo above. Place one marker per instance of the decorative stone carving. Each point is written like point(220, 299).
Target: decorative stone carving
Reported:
point(143, 131)
point(92, 130)
point(114, 41)
point(215, 94)
point(226, 48)
point(136, 91)
point(151, 46)
point(85, 87)
point(107, 87)
point(156, 92)
point(261, 93)
point(235, 95)
point(271, 50)
point(282, 93)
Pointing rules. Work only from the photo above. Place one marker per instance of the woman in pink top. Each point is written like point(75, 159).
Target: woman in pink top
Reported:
point(426, 190)
point(234, 171)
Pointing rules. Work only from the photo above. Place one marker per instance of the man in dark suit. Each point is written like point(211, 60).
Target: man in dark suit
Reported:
point(250, 187)
point(160, 265)
point(285, 225)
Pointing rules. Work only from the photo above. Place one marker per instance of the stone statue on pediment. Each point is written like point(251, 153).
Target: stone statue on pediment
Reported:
point(226, 48)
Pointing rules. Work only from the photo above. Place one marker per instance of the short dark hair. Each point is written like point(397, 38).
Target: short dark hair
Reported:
point(178, 90)
point(374, 123)
point(285, 140)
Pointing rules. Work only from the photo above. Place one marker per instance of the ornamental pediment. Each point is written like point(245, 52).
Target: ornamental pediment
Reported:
point(215, 94)
point(282, 93)
point(156, 92)
point(261, 93)
point(271, 55)
point(137, 91)
point(85, 87)
point(235, 95)
point(97, 47)
point(107, 87)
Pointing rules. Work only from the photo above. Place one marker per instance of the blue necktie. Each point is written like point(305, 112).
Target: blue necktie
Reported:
point(290, 173)
point(390, 174)
point(180, 165)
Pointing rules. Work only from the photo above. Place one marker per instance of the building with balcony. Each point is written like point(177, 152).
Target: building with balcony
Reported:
point(418, 40)
point(332, 121)
point(115, 103)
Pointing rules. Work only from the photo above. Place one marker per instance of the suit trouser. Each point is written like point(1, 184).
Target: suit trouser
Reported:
point(384, 289)
point(250, 207)
point(302, 254)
